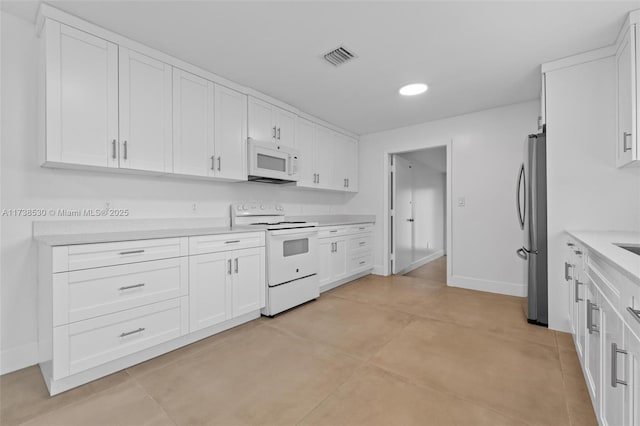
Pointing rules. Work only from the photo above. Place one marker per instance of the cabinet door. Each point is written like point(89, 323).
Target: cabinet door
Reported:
point(325, 158)
point(192, 124)
point(286, 128)
point(145, 113)
point(592, 346)
point(613, 367)
point(262, 126)
point(230, 133)
point(306, 147)
point(81, 97)
point(248, 280)
point(209, 289)
point(339, 260)
point(580, 300)
point(325, 254)
point(351, 163)
point(626, 99)
point(632, 412)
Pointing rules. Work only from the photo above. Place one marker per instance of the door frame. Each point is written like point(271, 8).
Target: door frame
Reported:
point(387, 194)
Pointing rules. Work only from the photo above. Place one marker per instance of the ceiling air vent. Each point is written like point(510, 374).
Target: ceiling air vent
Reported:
point(339, 56)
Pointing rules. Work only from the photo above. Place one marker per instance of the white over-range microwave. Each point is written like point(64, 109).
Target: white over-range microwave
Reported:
point(272, 163)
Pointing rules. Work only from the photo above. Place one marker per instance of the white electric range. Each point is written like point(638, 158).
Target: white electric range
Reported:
point(292, 247)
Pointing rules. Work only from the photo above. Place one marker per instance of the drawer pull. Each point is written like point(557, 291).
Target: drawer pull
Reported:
point(129, 333)
point(362, 262)
point(614, 366)
point(363, 243)
point(335, 230)
point(635, 313)
point(361, 229)
point(129, 287)
point(131, 252)
point(232, 241)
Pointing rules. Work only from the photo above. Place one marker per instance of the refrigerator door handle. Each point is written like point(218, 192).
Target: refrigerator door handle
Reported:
point(522, 254)
point(521, 211)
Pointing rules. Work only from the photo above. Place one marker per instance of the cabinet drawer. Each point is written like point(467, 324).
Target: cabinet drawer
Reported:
point(85, 294)
point(361, 263)
point(360, 244)
point(332, 231)
point(357, 229)
point(89, 343)
point(86, 256)
point(215, 243)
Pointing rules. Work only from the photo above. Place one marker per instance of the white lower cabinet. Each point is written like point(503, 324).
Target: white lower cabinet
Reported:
point(344, 251)
point(605, 333)
point(106, 306)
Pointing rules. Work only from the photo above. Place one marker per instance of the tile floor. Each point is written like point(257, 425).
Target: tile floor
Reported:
point(399, 350)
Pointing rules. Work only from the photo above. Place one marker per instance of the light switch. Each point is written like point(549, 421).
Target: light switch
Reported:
point(461, 201)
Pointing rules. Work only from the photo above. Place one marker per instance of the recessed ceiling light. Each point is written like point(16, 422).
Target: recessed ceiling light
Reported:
point(413, 89)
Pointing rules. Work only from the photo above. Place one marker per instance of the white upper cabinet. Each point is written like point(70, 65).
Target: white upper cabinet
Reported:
point(627, 98)
point(230, 134)
point(346, 166)
point(306, 148)
point(193, 121)
point(268, 123)
point(81, 98)
point(145, 113)
point(325, 156)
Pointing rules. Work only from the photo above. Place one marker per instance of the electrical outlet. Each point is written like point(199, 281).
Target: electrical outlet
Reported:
point(461, 201)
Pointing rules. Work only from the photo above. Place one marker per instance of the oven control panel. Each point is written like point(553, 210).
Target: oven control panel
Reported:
point(257, 209)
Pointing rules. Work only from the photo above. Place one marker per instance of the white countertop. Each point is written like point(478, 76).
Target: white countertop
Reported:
point(63, 233)
point(603, 243)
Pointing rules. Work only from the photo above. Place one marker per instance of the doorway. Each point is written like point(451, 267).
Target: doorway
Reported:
point(418, 208)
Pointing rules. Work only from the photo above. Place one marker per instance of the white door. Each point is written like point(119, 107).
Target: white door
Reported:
point(625, 64)
point(230, 134)
point(286, 131)
point(306, 149)
point(192, 124)
point(325, 253)
point(339, 260)
point(249, 284)
point(340, 161)
point(613, 393)
point(593, 348)
point(209, 289)
point(403, 214)
point(262, 125)
point(81, 97)
point(325, 157)
point(145, 113)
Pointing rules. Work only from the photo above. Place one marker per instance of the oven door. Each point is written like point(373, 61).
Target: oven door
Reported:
point(292, 254)
point(272, 161)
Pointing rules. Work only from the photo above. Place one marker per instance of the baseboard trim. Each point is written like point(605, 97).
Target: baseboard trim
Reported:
point(338, 283)
point(421, 262)
point(18, 357)
point(499, 287)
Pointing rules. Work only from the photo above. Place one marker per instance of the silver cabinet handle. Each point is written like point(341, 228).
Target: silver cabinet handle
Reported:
point(570, 244)
point(318, 178)
point(274, 132)
point(577, 290)
point(314, 177)
point(362, 243)
point(278, 133)
point(129, 287)
point(232, 241)
point(635, 313)
point(348, 183)
point(113, 148)
point(219, 163)
point(229, 270)
point(578, 252)
point(236, 268)
point(624, 142)
point(567, 266)
point(362, 262)
point(614, 365)
point(129, 333)
point(590, 325)
point(122, 253)
point(335, 230)
point(125, 150)
point(213, 160)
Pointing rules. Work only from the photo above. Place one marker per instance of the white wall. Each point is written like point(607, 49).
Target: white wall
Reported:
point(585, 189)
point(26, 185)
point(487, 149)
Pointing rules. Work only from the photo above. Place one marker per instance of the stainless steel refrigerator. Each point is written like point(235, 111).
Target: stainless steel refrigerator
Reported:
point(531, 204)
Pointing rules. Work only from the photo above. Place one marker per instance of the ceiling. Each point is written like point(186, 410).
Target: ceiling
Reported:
point(473, 55)
point(433, 158)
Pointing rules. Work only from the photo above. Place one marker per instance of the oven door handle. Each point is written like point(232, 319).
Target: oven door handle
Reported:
point(298, 232)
